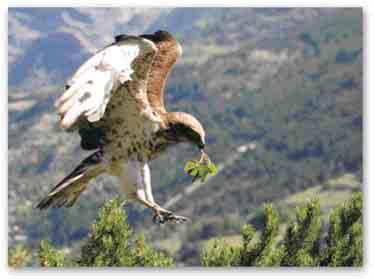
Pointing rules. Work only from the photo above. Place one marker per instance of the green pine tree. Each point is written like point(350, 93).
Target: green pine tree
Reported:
point(110, 244)
point(50, 256)
point(221, 254)
point(19, 257)
point(344, 239)
point(302, 244)
point(261, 252)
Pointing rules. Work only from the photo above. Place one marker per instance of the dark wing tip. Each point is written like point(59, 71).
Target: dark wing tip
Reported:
point(164, 35)
point(56, 201)
point(123, 37)
point(159, 36)
point(45, 203)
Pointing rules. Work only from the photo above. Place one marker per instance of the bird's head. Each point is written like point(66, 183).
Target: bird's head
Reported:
point(183, 127)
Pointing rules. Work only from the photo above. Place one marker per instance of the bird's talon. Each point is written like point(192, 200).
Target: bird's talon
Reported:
point(158, 219)
point(169, 214)
point(180, 219)
point(168, 217)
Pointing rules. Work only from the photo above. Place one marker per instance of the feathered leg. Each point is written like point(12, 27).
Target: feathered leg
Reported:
point(145, 196)
point(68, 190)
point(161, 215)
point(135, 181)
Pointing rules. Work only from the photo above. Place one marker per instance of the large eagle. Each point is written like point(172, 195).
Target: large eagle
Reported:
point(115, 100)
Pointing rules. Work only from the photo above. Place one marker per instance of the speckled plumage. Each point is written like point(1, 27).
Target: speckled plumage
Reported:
point(115, 101)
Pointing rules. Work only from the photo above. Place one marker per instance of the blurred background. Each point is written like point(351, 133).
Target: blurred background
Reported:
point(278, 90)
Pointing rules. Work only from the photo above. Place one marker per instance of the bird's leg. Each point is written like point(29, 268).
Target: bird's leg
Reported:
point(161, 215)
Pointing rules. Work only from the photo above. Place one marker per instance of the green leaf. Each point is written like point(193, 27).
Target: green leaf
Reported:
point(193, 172)
point(200, 169)
point(190, 165)
point(212, 169)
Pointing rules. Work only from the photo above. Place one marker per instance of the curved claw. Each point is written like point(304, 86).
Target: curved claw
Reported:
point(158, 219)
point(175, 219)
point(169, 217)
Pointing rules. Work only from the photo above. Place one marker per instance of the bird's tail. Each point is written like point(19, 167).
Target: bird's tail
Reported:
point(68, 190)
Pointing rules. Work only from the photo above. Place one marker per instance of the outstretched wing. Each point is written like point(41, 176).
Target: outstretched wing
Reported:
point(92, 86)
point(168, 52)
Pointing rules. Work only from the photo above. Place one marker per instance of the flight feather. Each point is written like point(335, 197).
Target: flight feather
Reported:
point(93, 84)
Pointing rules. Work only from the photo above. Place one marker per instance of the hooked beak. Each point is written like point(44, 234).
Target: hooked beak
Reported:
point(201, 146)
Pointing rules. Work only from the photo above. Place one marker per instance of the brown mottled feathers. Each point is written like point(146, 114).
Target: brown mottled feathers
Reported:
point(168, 52)
point(154, 80)
point(93, 133)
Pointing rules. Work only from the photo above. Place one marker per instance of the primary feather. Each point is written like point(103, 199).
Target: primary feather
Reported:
point(91, 87)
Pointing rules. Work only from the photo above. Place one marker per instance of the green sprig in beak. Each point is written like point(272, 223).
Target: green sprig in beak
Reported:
point(201, 168)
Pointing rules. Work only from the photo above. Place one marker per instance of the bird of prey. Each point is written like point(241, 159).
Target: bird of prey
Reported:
point(115, 100)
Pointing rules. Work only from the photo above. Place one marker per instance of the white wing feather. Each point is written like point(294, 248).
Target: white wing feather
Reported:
point(91, 86)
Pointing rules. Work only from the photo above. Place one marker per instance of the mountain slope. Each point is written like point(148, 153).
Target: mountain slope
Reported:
point(286, 81)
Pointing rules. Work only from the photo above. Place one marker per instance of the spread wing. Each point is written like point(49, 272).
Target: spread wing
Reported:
point(168, 52)
point(92, 86)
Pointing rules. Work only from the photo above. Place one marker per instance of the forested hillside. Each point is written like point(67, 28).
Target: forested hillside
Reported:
point(279, 92)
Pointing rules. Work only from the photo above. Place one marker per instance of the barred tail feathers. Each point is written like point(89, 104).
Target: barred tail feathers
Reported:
point(68, 190)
